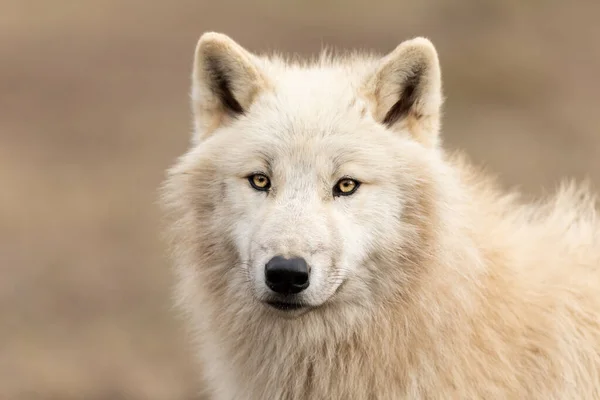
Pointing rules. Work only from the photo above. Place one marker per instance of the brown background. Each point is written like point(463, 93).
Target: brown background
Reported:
point(94, 107)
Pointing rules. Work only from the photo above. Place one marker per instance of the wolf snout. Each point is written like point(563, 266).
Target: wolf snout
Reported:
point(287, 275)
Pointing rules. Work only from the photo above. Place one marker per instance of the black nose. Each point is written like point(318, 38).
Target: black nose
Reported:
point(286, 275)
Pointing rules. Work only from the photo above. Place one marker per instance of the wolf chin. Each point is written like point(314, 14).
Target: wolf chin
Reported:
point(328, 247)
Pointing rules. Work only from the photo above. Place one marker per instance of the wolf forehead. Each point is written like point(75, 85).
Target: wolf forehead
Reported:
point(321, 85)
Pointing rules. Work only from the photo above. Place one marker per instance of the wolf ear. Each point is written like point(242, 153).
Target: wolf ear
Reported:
point(225, 81)
point(405, 90)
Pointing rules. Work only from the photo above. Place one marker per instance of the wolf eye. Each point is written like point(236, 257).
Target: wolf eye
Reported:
point(259, 182)
point(345, 187)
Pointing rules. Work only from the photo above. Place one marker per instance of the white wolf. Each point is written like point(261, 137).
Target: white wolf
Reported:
point(327, 247)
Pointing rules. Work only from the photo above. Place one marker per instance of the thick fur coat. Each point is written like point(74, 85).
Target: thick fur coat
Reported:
point(426, 282)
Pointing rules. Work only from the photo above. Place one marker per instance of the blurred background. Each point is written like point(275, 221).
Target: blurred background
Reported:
point(94, 107)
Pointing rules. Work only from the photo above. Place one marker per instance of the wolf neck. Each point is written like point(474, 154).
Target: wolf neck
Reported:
point(305, 358)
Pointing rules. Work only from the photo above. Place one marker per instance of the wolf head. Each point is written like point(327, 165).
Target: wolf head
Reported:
point(307, 186)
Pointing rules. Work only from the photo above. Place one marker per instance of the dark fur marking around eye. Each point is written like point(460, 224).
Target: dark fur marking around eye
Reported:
point(408, 96)
point(221, 86)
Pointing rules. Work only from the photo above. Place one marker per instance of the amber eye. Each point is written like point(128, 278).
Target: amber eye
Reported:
point(259, 182)
point(345, 187)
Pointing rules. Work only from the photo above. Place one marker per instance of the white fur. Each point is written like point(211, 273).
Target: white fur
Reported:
point(427, 283)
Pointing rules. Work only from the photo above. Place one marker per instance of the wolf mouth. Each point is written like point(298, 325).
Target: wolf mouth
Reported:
point(284, 305)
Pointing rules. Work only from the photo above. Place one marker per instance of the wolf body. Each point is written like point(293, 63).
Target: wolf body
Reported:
point(327, 246)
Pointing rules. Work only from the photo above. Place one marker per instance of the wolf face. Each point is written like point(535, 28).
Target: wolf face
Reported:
point(296, 171)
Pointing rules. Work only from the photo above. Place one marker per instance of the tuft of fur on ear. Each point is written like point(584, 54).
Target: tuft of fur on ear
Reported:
point(405, 91)
point(225, 81)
